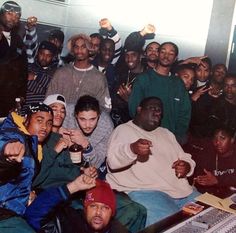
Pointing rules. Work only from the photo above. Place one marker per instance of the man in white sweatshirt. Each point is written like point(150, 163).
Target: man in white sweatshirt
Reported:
point(147, 163)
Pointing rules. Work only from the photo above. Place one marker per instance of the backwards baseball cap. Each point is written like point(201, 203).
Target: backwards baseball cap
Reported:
point(58, 34)
point(101, 193)
point(56, 98)
point(37, 107)
point(10, 6)
point(48, 46)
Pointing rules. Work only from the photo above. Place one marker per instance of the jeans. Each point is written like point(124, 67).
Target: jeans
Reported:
point(159, 204)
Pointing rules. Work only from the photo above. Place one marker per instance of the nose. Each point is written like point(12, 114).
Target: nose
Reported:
point(14, 17)
point(98, 211)
point(44, 125)
point(217, 142)
point(87, 124)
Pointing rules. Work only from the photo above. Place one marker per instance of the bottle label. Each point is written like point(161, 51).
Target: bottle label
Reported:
point(75, 156)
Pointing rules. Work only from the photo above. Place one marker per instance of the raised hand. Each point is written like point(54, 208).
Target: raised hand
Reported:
point(105, 24)
point(206, 180)
point(82, 182)
point(181, 167)
point(124, 91)
point(61, 144)
point(196, 95)
point(141, 147)
point(14, 151)
point(31, 22)
point(76, 136)
point(148, 29)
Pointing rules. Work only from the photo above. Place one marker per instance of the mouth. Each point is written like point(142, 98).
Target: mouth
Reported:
point(57, 118)
point(87, 130)
point(219, 149)
point(97, 220)
point(42, 133)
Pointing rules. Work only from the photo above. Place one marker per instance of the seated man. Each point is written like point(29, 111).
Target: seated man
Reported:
point(216, 165)
point(145, 161)
point(38, 212)
point(20, 139)
point(56, 165)
point(95, 128)
point(97, 214)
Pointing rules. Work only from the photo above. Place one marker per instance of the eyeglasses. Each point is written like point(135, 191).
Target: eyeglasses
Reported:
point(11, 7)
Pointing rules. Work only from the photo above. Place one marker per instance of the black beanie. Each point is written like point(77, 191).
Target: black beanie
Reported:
point(58, 34)
point(49, 46)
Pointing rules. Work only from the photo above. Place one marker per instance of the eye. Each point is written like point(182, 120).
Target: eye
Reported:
point(105, 208)
point(93, 206)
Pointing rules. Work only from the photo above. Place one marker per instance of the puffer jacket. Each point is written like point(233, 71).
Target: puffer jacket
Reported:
point(16, 178)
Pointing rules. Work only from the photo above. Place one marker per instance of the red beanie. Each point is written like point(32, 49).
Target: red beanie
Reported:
point(102, 193)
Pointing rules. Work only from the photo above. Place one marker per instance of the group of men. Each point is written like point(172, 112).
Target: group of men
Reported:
point(137, 173)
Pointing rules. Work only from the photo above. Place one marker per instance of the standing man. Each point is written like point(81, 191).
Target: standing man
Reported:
point(169, 88)
point(13, 61)
point(31, 42)
point(151, 55)
point(223, 111)
point(147, 163)
point(40, 73)
point(80, 78)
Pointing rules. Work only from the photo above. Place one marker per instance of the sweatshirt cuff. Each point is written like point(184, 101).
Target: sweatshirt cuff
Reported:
point(112, 32)
point(64, 191)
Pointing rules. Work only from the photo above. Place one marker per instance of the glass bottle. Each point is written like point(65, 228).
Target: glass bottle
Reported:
point(76, 153)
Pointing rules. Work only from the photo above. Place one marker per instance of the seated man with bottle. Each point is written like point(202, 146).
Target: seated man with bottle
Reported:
point(57, 168)
point(90, 127)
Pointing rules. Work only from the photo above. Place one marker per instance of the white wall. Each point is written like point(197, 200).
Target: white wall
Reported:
point(185, 22)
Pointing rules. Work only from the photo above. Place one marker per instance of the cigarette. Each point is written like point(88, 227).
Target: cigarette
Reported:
point(178, 175)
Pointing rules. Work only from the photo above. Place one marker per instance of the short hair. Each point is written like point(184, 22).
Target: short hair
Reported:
point(86, 103)
point(96, 35)
point(230, 76)
point(171, 43)
point(226, 129)
point(145, 101)
point(219, 65)
point(208, 61)
point(181, 67)
point(107, 40)
point(153, 42)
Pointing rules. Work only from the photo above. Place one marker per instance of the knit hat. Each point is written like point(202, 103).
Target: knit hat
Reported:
point(134, 42)
point(102, 193)
point(58, 34)
point(56, 98)
point(10, 6)
point(48, 46)
point(37, 107)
